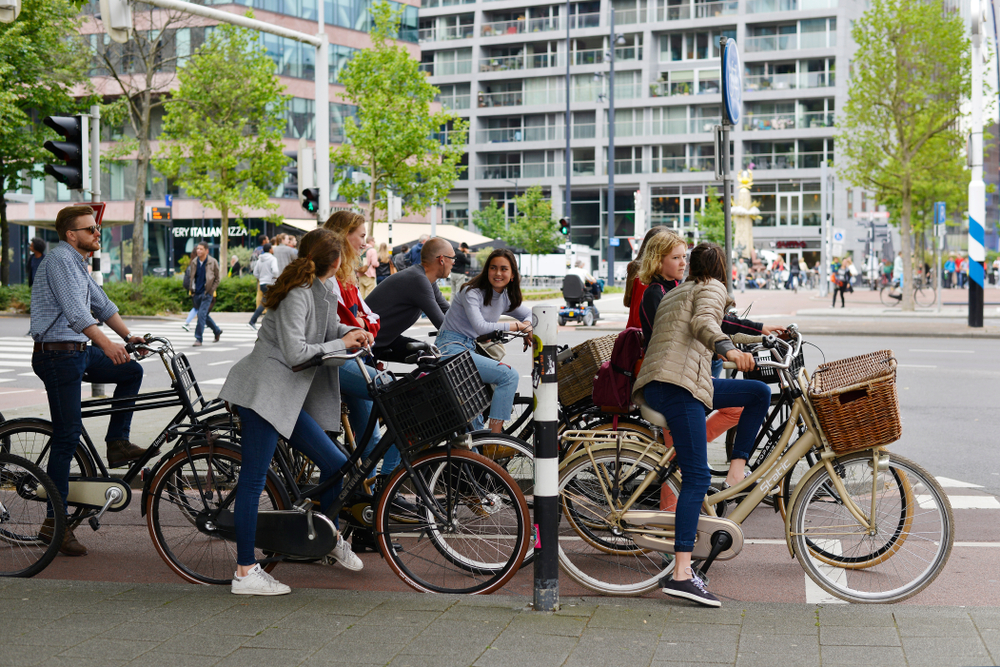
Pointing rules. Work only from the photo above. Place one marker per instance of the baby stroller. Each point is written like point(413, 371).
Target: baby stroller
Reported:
point(579, 302)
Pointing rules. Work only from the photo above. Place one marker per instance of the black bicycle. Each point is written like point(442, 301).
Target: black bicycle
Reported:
point(447, 521)
point(27, 545)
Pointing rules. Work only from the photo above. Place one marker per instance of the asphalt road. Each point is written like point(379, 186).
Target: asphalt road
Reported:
point(946, 396)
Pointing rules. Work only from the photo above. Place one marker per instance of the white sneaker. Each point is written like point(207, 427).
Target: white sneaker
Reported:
point(342, 554)
point(258, 582)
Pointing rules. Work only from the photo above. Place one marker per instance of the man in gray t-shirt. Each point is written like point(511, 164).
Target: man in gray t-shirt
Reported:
point(399, 299)
point(285, 253)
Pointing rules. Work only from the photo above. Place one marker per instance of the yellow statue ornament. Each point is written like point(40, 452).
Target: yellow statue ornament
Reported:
point(744, 213)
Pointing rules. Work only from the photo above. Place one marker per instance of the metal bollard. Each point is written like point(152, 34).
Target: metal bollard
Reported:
point(546, 517)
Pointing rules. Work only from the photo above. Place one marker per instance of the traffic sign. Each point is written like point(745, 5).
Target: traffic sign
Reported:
point(732, 82)
point(838, 235)
point(614, 241)
point(939, 213)
point(170, 200)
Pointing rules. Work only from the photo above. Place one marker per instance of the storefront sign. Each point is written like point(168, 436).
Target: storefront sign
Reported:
point(791, 244)
point(208, 232)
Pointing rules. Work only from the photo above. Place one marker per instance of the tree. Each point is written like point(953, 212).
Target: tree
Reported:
point(901, 125)
point(396, 139)
point(491, 220)
point(534, 230)
point(711, 220)
point(141, 73)
point(223, 127)
point(42, 59)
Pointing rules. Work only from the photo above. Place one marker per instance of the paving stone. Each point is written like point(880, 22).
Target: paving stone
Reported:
point(779, 645)
point(110, 649)
point(217, 645)
point(348, 650)
point(231, 624)
point(840, 636)
point(937, 627)
point(366, 633)
point(692, 632)
point(289, 638)
point(263, 657)
point(700, 615)
point(23, 655)
point(784, 625)
point(463, 659)
point(602, 646)
point(304, 619)
point(175, 660)
point(924, 648)
point(695, 652)
point(45, 637)
point(862, 655)
point(524, 658)
point(78, 661)
point(401, 617)
point(852, 617)
point(578, 608)
point(783, 659)
point(520, 640)
point(622, 618)
point(549, 624)
point(141, 631)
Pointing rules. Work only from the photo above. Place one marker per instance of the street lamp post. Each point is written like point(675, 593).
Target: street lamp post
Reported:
point(613, 41)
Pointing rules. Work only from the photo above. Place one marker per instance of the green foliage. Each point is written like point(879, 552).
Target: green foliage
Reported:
point(534, 229)
point(491, 220)
point(222, 133)
point(482, 254)
point(712, 218)
point(155, 296)
point(236, 295)
point(901, 133)
point(183, 262)
point(394, 137)
point(243, 254)
point(42, 58)
point(16, 298)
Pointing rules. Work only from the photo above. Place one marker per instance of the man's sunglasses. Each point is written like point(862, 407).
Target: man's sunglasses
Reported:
point(92, 229)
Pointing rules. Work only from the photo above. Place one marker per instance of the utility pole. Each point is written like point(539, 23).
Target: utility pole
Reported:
point(977, 188)
point(568, 199)
point(96, 389)
point(611, 149)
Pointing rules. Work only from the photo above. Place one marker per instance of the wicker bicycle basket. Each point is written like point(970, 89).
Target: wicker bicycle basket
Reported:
point(855, 401)
point(576, 375)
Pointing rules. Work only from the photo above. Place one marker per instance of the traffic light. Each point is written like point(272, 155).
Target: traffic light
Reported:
point(74, 151)
point(310, 199)
point(292, 182)
point(564, 226)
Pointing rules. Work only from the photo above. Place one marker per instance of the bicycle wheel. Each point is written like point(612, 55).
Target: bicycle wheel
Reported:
point(520, 424)
point(890, 296)
point(925, 296)
point(23, 550)
point(30, 440)
point(518, 460)
point(485, 539)
point(595, 548)
point(184, 491)
point(859, 564)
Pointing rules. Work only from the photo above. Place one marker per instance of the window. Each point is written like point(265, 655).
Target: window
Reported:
point(701, 45)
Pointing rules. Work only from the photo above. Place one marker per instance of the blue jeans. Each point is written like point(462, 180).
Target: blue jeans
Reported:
point(503, 378)
point(203, 302)
point(685, 416)
point(63, 372)
point(260, 308)
point(354, 393)
point(259, 440)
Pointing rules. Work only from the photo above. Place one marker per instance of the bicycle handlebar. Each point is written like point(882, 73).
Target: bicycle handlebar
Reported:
point(747, 339)
point(320, 358)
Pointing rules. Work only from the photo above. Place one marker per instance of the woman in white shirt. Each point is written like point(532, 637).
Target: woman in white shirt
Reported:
point(475, 311)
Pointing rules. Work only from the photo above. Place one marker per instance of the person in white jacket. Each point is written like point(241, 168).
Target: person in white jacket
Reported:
point(266, 271)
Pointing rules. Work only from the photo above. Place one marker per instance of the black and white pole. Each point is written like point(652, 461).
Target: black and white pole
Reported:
point(96, 388)
point(546, 517)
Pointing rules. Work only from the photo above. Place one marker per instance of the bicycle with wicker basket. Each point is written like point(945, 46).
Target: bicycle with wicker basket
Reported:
point(446, 521)
point(866, 525)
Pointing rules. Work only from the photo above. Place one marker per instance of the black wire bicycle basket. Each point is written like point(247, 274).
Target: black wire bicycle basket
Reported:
point(425, 407)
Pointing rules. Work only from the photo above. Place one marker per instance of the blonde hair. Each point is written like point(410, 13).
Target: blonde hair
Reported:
point(656, 248)
point(343, 223)
point(383, 253)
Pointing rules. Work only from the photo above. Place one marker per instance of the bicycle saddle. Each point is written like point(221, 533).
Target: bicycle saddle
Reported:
point(649, 414)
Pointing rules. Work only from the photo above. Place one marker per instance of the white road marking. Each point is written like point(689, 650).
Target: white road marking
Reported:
point(219, 363)
point(946, 351)
point(215, 381)
point(17, 391)
point(8, 370)
point(6, 379)
point(815, 594)
point(950, 483)
point(962, 502)
point(16, 364)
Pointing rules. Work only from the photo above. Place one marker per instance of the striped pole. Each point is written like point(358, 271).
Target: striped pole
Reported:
point(977, 189)
point(546, 516)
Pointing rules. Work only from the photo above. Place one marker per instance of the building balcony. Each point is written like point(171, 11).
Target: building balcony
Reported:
point(518, 62)
point(697, 10)
point(521, 26)
point(788, 121)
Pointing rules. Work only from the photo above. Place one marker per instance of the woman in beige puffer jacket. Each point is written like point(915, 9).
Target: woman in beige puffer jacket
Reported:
point(676, 381)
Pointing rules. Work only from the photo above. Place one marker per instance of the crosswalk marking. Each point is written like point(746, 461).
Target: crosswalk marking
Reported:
point(947, 483)
point(962, 502)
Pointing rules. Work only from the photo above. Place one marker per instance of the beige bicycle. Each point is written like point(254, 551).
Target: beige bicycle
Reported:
point(866, 525)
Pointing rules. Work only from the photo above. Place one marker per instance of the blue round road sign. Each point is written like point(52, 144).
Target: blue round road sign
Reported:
point(732, 82)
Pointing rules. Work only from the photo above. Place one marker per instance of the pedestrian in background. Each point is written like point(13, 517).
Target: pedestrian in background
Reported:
point(261, 240)
point(401, 259)
point(267, 273)
point(384, 269)
point(842, 282)
point(204, 275)
point(367, 269)
point(235, 270)
point(284, 254)
point(949, 272)
point(37, 255)
point(460, 270)
point(414, 257)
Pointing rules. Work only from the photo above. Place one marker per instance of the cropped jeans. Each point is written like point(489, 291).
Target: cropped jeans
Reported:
point(503, 378)
point(685, 416)
point(258, 444)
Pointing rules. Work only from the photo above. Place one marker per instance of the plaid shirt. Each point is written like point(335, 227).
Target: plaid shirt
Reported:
point(65, 300)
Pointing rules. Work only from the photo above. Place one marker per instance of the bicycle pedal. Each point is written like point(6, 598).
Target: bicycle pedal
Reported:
point(94, 523)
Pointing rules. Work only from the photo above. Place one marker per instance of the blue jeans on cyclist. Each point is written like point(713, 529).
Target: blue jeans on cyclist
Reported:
point(62, 372)
point(354, 394)
point(503, 378)
point(258, 442)
point(685, 416)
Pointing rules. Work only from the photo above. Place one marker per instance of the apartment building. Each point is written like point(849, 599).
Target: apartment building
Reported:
point(348, 23)
point(502, 64)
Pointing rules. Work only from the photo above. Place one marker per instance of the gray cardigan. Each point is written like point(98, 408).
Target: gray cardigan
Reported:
point(304, 325)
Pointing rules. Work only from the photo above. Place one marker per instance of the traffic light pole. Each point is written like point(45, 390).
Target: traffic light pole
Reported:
point(96, 389)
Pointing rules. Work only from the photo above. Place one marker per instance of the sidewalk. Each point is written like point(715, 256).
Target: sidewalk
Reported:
point(107, 624)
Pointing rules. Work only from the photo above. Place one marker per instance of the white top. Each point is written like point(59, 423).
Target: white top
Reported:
point(266, 269)
point(470, 317)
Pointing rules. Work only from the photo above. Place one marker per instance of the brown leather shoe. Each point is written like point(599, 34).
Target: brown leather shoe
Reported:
point(70, 545)
point(120, 452)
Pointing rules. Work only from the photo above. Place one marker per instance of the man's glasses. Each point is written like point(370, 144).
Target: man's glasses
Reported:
point(451, 257)
point(92, 229)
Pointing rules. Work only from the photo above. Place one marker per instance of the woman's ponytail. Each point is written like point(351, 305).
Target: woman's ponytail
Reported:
point(318, 251)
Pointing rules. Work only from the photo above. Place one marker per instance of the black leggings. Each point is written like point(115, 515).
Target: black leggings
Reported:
point(842, 290)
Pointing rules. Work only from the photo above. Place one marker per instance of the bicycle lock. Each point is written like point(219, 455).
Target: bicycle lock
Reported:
point(546, 510)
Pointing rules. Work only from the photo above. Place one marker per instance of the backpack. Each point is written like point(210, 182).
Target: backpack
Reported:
point(613, 384)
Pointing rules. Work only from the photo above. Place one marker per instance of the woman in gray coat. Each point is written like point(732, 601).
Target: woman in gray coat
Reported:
point(273, 400)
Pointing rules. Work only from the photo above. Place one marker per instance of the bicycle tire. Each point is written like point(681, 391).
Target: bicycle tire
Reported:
point(925, 296)
point(488, 546)
point(886, 297)
point(520, 425)
point(23, 550)
point(30, 439)
point(888, 573)
point(594, 550)
point(518, 460)
point(174, 503)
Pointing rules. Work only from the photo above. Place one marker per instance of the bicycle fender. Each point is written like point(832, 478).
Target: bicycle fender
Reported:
point(791, 503)
point(148, 482)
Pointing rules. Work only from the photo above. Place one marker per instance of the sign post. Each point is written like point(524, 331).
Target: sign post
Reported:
point(732, 102)
point(939, 230)
point(977, 188)
point(546, 511)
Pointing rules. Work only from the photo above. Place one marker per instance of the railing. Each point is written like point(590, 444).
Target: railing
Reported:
point(628, 91)
point(763, 43)
point(818, 40)
point(508, 63)
point(431, 4)
point(427, 68)
point(597, 56)
point(584, 131)
point(788, 81)
point(445, 33)
point(584, 169)
point(673, 88)
point(629, 16)
point(454, 101)
point(531, 170)
point(585, 20)
point(542, 24)
point(817, 79)
point(811, 160)
point(625, 167)
point(511, 99)
point(515, 134)
point(817, 119)
point(452, 68)
point(699, 10)
point(788, 121)
point(674, 165)
point(627, 128)
point(765, 6)
point(427, 35)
